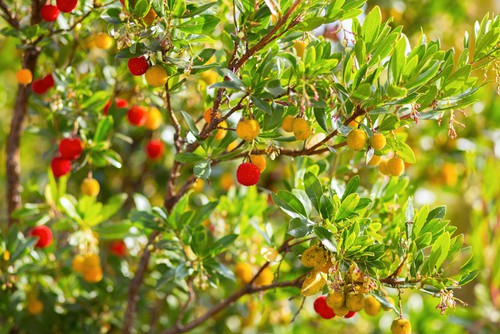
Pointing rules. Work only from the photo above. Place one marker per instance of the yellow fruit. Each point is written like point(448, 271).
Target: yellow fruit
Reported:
point(449, 174)
point(287, 123)
point(266, 277)
point(401, 326)
point(198, 185)
point(259, 161)
point(150, 17)
point(153, 119)
point(372, 306)
point(207, 115)
point(35, 306)
point(90, 187)
point(93, 275)
point(326, 267)
point(232, 145)
point(356, 139)
point(378, 141)
point(299, 47)
point(247, 129)
point(209, 77)
point(301, 129)
point(313, 283)
point(221, 133)
point(91, 261)
point(103, 41)
point(315, 256)
point(78, 263)
point(335, 299)
point(156, 76)
point(6, 255)
point(354, 123)
point(341, 311)
point(395, 166)
point(375, 160)
point(226, 181)
point(243, 271)
point(24, 76)
point(382, 167)
point(355, 301)
point(391, 301)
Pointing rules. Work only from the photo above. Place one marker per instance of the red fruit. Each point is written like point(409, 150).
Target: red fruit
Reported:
point(70, 148)
point(60, 166)
point(120, 103)
point(118, 248)
point(66, 6)
point(154, 148)
point(44, 235)
point(138, 65)
point(248, 174)
point(323, 310)
point(41, 86)
point(49, 13)
point(48, 80)
point(137, 116)
point(349, 314)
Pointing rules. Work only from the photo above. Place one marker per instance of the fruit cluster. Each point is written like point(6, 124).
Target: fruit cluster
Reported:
point(88, 265)
point(69, 149)
point(150, 118)
point(50, 12)
point(156, 75)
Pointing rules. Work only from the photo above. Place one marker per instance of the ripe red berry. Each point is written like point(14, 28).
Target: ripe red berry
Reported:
point(48, 81)
point(323, 310)
point(49, 13)
point(349, 314)
point(44, 235)
point(154, 148)
point(118, 248)
point(41, 86)
point(66, 6)
point(120, 103)
point(137, 116)
point(70, 148)
point(248, 174)
point(60, 166)
point(138, 65)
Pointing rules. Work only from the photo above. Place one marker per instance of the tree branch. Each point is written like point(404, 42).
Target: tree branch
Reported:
point(8, 16)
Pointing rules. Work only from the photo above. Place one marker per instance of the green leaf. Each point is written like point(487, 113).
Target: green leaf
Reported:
point(190, 123)
point(68, 205)
point(402, 149)
point(351, 187)
point(439, 251)
point(203, 213)
point(438, 212)
point(390, 122)
point(113, 158)
point(103, 128)
point(326, 238)
point(289, 203)
point(313, 189)
point(222, 244)
point(188, 157)
point(141, 8)
point(113, 205)
point(113, 231)
point(203, 24)
point(326, 207)
point(347, 207)
point(420, 219)
point(299, 227)
point(203, 169)
point(371, 26)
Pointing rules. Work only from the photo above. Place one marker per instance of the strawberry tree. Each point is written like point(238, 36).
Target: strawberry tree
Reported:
point(199, 145)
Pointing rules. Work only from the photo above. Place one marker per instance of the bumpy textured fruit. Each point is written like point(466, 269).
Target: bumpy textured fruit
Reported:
point(259, 161)
point(207, 115)
point(375, 160)
point(372, 306)
point(287, 123)
point(138, 65)
point(137, 116)
point(154, 148)
point(299, 47)
point(301, 129)
point(355, 301)
point(66, 6)
point(395, 166)
point(382, 167)
point(90, 187)
point(24, 76)
point(60, 166)
point(150, 17)
point(326, 267)
point(313, 283)
point(70, 148)
point(156, 76)
point(248, 174)
point(49, 13)
point(322, 309)
point(356, 139)
point(103, 41)
point(44, 235)
point(93, 275)
point(153, 119)
point(118, 248)
point(341, 311)
point(349, 314)
point(378, 141)
point(266, 277)
point(336, 299)
point(401, 326)
point(35, 306)
point(77, 263)
point(247, 129)
point(243, 271)
point(221, 133)
point(315, 256)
